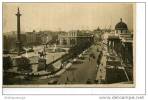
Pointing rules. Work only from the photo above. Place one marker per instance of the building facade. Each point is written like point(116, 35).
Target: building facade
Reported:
point(72, 38)
point(68, 39)
point(119, 64)
point(121, 42)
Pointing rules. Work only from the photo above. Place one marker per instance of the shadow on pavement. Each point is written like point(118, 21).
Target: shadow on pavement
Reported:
point(71, 69)
point(78, 62)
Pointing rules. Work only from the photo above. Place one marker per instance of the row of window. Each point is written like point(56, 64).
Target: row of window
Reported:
point(121, 31)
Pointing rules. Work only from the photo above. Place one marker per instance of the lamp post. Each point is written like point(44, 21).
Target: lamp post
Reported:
point(53, 57)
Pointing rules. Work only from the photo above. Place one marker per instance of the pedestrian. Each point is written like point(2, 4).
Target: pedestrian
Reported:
point(62, 66)
point(88, 81)
point(96, 81)
point(100, 81)
point(89, 59)
point(97, 67)
point(100, 70)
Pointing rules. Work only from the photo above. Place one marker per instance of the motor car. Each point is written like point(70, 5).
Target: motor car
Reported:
point(53, 81)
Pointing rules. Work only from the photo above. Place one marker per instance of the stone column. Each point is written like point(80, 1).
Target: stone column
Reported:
point(111, 45)
point(18, 43)
point(108, 45)
point(124, 53)
point(68, 42)
point(61, 41)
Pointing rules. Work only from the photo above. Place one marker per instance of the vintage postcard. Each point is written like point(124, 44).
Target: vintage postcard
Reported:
point(68, 44)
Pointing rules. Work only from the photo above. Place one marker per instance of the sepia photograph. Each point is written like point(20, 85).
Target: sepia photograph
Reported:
point(68, 44)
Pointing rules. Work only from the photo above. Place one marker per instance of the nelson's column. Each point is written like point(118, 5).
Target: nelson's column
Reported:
point(18, 42)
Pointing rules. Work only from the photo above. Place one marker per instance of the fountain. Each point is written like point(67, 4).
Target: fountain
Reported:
point(54, 48)
point(26, 54)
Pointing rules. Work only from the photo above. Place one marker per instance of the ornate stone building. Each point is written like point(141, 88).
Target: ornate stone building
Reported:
point(122, 42)
point(119, 64)
point(74, 37)
point(67, 39)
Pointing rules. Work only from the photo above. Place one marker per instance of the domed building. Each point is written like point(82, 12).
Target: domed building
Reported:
point(121, 27)
point(119, 54)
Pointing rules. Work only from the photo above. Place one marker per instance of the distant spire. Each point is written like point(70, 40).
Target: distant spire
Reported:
point(121, 19)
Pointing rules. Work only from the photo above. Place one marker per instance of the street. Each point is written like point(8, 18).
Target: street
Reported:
point(82, 72)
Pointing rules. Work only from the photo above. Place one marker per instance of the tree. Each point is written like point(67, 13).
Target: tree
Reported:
point(7, 62)
point(23, 64)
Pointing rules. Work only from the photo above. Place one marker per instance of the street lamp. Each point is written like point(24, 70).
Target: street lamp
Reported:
point(53, 57)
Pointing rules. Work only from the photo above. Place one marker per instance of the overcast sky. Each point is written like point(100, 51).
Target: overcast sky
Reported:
point(66, 16)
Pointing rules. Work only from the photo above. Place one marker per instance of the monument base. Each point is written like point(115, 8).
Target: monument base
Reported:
point(41, 64)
